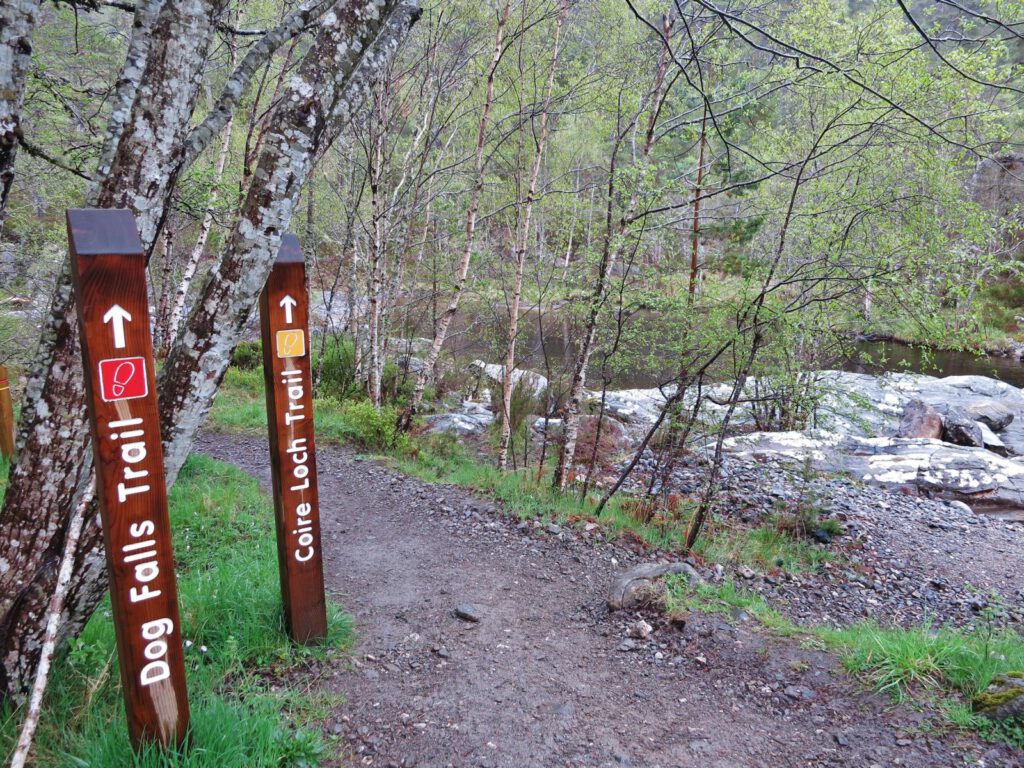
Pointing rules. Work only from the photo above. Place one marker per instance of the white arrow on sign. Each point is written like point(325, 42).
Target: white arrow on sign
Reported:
point(117, 315)
point(289, 304)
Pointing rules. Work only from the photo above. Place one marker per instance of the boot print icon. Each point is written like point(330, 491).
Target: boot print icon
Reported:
point(123, 379)
point(123, 375)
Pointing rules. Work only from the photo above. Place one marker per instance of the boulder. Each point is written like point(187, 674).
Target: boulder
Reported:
point(991, 441)
point(496, 373)
point(410, 364)
point(416, 345)
point(627, 589)
point(1003, 699)
point(928, 466)
point(471, 419)
point(993, 414)
point(631, 406)
point(920, 420)
point(960, 429)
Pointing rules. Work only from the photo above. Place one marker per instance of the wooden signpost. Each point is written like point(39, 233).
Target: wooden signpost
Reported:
point(109, 271)
point(284, 318)
point(6, 415)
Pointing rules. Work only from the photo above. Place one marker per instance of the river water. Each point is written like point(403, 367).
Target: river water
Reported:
point(883, 356)
point(547, 344)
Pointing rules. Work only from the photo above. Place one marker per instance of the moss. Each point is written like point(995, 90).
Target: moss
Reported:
point(991, 701)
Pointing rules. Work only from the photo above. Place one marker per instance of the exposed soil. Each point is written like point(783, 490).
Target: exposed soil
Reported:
point(540, 679)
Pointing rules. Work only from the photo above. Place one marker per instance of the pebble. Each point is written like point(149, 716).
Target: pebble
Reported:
point(468, 612)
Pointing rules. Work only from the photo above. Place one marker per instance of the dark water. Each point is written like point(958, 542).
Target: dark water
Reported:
point(885, 356)
point(547, 344)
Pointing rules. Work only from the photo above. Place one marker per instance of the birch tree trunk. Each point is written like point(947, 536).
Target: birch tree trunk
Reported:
point(185, 283)
point(445, 320)
point(147, 159)
point(331, 82)
point(377, 255)
point(55, 458)
point(698, 192)
point(17, 22)
point(522, 238)
point(609, 255)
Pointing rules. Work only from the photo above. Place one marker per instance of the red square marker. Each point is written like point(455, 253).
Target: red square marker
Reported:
point(123, 378)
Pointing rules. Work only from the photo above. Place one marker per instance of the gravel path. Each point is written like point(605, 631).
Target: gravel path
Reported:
point(539, 679)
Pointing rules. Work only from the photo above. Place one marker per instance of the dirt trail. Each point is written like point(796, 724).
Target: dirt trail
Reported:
point(542, 680)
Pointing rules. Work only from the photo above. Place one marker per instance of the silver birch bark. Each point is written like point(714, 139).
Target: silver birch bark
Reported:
point(522, 238)
point(312, 115)
point(377, 255)
point(17, 22)
point(55, 461)
point(185, 283)
point(445, 320)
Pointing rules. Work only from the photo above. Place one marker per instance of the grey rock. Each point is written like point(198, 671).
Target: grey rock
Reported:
point(992, 413)
point(960, 429)
point(640, 630)
point(920, 420)
point(468, 612)
point(471, 419)
point(495, 373)
point(1003, 699)
point(799, 693)
point(626, 588)
point(990, 441)
point(930, 466)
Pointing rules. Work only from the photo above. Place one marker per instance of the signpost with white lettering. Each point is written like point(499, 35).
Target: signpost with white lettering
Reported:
point(6, 415)
point(284, 316)
point(109, 272)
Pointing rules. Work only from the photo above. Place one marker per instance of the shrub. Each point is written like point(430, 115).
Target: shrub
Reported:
point(248, 355)
point(373, 429)
point(609, 443)
point(338, 369)
point(396, 385)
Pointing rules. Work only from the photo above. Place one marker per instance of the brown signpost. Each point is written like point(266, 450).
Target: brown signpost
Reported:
point(6, 415)
point(284, 317)
point(109, 271)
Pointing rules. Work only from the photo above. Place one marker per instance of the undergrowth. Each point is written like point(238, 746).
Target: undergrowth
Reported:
point(235, 641)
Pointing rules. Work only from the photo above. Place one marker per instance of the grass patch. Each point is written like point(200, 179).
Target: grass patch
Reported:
point(765, 548)
point(231, 617)
point(943, 665)
point(5, 468)
point(241, 406)
point(901, 661)
point(443, 459)
point(726, 599)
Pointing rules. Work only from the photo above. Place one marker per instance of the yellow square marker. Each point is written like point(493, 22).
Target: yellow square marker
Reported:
point(291, 343)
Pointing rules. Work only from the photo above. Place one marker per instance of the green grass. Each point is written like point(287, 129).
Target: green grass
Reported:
point(444, 459)
point(230, 603)
point(900, 661)
point(943, 665)
point(765, 548)
point(241, 406)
